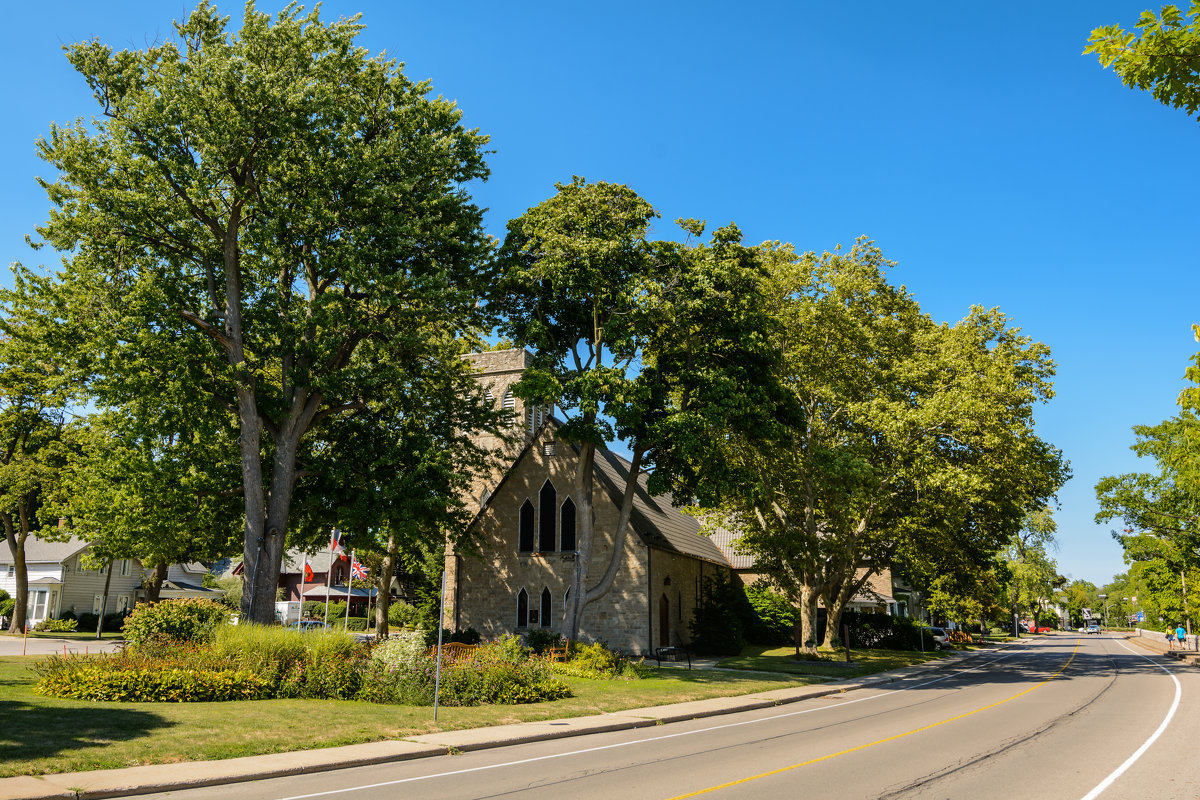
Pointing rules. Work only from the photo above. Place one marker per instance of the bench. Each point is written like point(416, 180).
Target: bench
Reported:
point(452, 650)
point(559, 653)
point(662, 654)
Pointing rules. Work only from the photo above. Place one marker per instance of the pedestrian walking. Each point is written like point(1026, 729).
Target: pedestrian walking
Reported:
point(1181, 636)
point(1170, 638)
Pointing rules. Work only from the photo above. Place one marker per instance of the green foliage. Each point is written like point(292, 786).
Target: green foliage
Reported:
point(539, 640)
point(882, 631)
point(1159, 58)
point(232, 586)
point(56, 625)
point(597, 661)
point(152, 625)
point(774, 618)
point(112, 622)
point(402, 615)
point(717, 623)
point(6, 607)
point(121, 679)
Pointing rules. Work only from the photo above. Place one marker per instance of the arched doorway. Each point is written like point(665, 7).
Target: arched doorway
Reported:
point(664, 622)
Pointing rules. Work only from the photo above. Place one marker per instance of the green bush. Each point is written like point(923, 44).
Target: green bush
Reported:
point(883, 631)
point(7, 606)
point(539, 640)
point(116, 678)
point(597, 661)
point(773, 621)
point(56, 625)
point(403, 615)
point(352, 624)
point(173, 621)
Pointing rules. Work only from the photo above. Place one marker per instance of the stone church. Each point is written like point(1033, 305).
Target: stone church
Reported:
point(515, 576)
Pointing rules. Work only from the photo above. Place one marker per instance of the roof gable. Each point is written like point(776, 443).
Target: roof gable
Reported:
point(41, 551)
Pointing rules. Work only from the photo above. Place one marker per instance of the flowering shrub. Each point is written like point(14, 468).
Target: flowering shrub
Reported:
point(170, 622)
point(115, 677)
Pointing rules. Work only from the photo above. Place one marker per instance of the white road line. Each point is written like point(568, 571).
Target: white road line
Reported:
point(1104, 784)
point(643, 741)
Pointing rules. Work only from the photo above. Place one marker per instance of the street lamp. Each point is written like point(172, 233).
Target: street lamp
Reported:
point(1104, 597)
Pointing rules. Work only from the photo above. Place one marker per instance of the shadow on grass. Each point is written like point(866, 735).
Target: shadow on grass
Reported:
point(30, 731)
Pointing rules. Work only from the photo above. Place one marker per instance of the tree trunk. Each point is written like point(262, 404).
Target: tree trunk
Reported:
point(610, 573)
point(584, 474)
point(384, 587)
point(264, 552)
point(16, 545)
point(156, 581)
point(104, 599)
point(808, 619)
point(834, 605)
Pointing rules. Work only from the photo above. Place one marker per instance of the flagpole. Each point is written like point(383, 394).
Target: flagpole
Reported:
point(328, 575)
point(437, 675)
point(303, 578)
point(349, 583)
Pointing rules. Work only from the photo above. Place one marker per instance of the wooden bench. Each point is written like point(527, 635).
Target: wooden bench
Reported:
point(559, 653)
point(452, 650)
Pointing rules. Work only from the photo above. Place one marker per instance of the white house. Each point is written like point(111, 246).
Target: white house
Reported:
point(59, 581)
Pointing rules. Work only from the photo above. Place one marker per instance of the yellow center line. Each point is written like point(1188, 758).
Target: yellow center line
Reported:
point(882, 741)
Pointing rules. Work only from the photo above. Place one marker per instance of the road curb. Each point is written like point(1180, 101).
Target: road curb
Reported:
point(198, 774)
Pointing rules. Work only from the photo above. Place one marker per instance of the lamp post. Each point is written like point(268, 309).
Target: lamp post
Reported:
point(1104, 598)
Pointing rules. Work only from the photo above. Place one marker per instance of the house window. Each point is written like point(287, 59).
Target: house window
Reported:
point(567, 518)
point(122, 603)
point(548, 448)
point(508, 401)
point(545, 615)
point(125, 568)
point(525, 535)
point(522, 609)
point(12, 569)
point(547, 501)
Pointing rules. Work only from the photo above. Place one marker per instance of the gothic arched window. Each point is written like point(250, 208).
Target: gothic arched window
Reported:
point(525, 535)
point(547, 503)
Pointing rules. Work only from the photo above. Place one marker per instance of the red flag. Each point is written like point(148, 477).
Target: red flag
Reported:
point(308, 573)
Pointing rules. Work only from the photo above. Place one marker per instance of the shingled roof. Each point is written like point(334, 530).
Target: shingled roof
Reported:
point(40, 551)
point(655, 519)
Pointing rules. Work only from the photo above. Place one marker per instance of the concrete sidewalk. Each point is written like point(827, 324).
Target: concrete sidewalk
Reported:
point(11, 645)
point(194, 774)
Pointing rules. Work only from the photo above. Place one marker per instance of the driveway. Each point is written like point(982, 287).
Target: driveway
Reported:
point(37, 646)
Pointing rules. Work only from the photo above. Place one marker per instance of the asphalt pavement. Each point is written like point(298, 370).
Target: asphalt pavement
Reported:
point(913, 700)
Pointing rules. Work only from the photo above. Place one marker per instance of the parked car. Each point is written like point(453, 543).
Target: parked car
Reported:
point(1023, 628)
point(1093, 628)
point(309, 626)
point(939, 636)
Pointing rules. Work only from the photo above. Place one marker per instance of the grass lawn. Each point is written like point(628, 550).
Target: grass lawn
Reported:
point(41, 735)
point(866, 662)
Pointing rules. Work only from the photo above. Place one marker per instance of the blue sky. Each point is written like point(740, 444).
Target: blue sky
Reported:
point(973, 142)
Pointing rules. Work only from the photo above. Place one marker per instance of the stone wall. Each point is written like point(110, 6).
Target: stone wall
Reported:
point(487, 583)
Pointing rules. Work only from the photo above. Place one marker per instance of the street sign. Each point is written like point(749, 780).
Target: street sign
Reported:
point(1087, 613)
point(1141, 616)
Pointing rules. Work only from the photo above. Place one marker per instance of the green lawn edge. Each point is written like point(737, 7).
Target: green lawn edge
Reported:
point(41, 735)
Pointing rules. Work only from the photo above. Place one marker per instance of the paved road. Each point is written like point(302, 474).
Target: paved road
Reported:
point(1052, 718)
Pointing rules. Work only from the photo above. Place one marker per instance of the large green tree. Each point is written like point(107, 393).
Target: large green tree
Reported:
point(1160, 510)
point(244, 213)
point(160, 496)
point(33, 400)
point(659, 344)
point(914, 437)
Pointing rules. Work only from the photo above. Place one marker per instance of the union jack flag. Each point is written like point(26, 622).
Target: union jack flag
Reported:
point(358, 570)
point(335, 542)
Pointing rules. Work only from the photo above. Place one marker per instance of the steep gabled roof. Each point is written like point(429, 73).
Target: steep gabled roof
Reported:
point(40, 551)
point(659, 523)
